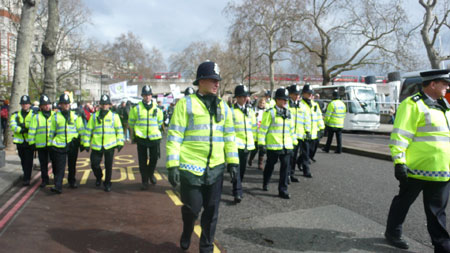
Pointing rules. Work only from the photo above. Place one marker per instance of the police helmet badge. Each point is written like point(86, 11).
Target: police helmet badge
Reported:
point(286, 92)
point(105, 98)
point(245, 88)
point(45, 98)
point(66, 97)
point(216, 69)
point(147, 88)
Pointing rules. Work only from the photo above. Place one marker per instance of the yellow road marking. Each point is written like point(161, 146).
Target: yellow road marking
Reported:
point(198, 232)
point(157, 175)
point(174, 198)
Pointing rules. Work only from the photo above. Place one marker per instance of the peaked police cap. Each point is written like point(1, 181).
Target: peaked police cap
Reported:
point(436, 74)
point(207, 70)
point(25, 99)
point(44, 100)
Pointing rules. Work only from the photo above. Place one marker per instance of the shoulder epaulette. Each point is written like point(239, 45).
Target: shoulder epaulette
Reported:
point(416, 97)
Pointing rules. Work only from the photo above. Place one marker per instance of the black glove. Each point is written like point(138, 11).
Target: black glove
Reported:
point(401, 172)
point(320, 134)
point(23, 130)
point(174, 176)
point(82, 148)
point(307, 136)
point(262, 148)
point(87, 149)
point(119, 147)
point(133, 139)
point(233, 170)
point(33, 147)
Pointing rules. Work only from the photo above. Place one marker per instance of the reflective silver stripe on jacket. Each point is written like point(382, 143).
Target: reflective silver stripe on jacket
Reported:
point(398, 143)
point(431, 138)
point(403, 132)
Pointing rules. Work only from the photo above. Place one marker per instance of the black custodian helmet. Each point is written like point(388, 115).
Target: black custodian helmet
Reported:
point(282, 93)
point(307, 89)
point(146, 90)
point(241, 91)
point(294, 89)
point(25, 99)
point(208, 70)
point(188, 91)
point(64, 99)
point(105, 100)
point(44, 100)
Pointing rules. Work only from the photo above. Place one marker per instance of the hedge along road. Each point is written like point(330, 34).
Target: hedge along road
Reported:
point(88, 219)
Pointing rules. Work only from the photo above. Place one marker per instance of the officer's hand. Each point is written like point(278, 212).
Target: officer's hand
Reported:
point(134, 139)
point(320, 134)
point(82, 148)
point(262, 148)
point(23, 130)
point(307, 136)
point(233, 170)
point(174, 176)
point(401, 172)
point(33, 147)
point(119, 147)
point(87, 149)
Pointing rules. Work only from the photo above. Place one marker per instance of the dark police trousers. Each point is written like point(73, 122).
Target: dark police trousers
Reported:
point(435, 198)
point(96, 159)
point(59, 158)
point(303, 160)
point(295, 161)
point(272, 159)
point(331, 131)
point(237, 184)
point(147, 169)
point(44, 155)
point(314, 144)
point(26, 160)
point(194, 197)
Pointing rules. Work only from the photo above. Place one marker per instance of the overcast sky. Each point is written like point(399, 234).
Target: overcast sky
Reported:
point(169, 25)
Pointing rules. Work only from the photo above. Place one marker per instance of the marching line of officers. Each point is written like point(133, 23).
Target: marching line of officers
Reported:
point(205, 138)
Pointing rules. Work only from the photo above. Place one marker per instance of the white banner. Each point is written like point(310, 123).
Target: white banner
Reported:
point(118, 90)
point(132, 91)
point(175, 91)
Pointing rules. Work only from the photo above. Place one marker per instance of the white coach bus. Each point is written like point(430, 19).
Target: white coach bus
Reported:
point(363, 112)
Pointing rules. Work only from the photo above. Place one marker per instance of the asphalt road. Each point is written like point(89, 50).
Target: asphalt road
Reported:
point(366, 137)
point(343, 208)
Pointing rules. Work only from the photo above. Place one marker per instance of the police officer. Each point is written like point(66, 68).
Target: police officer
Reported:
point(19, 123)
point(245, 127)
point(105, 134)
point(311, 119)
point(39, 135)
point(334, 121)
point(66, 133)
point(145, 121)
point(295, 108)
point(269, 101)
point(277, 136)
point(200, 140)
point(188, 91)
point(319, 124)
point(420, 148)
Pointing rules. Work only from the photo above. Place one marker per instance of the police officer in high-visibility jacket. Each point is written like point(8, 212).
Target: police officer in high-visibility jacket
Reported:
point(317, 120)
point(334, 121)
point(39, 135)
point(312, 124)
point(277, 136)
point(19, 123)
point(66, 133)
point(201, 139)
point(145, 120)
point(245, 128)
point(420, 148)
point(297, 119)
point(269, 101)
point(105, 133)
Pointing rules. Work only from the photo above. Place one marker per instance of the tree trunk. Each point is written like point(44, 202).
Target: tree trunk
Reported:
point(49, 49)
point(433, 55)
point(22, 62)
point(325, 73)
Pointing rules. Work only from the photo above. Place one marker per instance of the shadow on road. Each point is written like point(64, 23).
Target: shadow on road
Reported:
point(304, 239)
point(107, 241)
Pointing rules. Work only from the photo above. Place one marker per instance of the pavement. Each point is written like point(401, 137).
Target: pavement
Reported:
point(11, 173)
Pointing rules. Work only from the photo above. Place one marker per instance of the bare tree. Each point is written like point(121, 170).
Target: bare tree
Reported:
point(265, 22)
point(49, 49)
point(356, 34)
point(433, 22)
point(22, 61)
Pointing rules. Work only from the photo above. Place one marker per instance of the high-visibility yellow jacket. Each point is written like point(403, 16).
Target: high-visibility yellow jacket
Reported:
point(197, 140)
point(145, 123)
point(421, 138)
point(39, 132)
point(276, 132)
point(245, 127)
point(63, 131)
point(270, 103)
point(313, 120)
point(297, 117)
point(15, 122)
point(106, 133)
point(335, 115)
